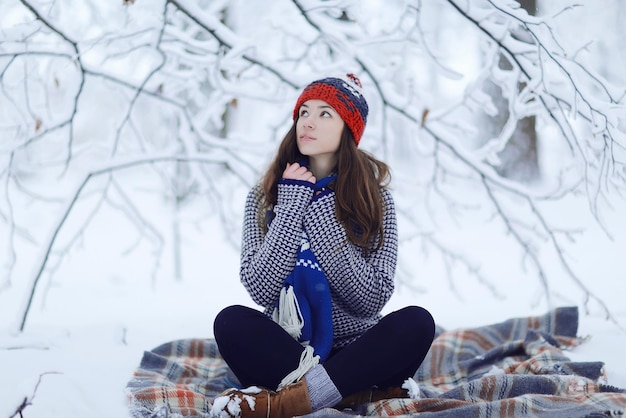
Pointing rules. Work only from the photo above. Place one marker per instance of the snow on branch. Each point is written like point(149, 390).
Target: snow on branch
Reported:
point(70, 120)
point(228, 39)
point(544, 81)
point(73, 198)
point(566, 89)
point(87, 96)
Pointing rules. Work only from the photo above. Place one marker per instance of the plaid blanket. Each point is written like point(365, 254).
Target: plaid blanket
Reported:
point(510, 369)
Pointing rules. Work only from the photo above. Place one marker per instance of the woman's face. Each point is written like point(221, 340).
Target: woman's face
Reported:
point(318, 130)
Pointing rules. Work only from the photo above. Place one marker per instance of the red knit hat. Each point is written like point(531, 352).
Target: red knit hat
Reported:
point(344, 95)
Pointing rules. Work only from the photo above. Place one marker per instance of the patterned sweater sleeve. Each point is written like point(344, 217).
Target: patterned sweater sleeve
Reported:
point(268, 258)
point(363, 283)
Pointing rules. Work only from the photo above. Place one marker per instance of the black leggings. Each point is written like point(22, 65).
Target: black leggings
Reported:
point(261, 353)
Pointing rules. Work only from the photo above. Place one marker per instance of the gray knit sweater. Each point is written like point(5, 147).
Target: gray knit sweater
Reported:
point(360, 284)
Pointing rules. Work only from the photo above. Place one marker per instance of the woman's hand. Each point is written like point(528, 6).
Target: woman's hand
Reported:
point(297, 172)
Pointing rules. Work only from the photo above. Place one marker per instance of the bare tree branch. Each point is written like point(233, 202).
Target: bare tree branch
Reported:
point(29, 401)
point(73, 198)
point(77, 58)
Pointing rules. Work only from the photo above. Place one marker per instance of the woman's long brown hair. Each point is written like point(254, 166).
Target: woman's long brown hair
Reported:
point(358, 200)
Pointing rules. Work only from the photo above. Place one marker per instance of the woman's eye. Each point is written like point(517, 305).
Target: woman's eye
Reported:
point(325, 114)
point(303, 112)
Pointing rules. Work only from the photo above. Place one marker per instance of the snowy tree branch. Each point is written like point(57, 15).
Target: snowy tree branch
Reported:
point(77, 58)
point(73, 198)
point(226, 37)
point(528, 58)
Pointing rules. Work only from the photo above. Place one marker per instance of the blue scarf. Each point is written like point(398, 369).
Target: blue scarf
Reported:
point(305, 308)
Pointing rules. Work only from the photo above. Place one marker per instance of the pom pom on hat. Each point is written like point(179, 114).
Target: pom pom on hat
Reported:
point(345, 95)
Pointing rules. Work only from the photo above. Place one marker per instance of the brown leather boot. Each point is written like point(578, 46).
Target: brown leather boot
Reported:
point(290, 401)
point(371, 395)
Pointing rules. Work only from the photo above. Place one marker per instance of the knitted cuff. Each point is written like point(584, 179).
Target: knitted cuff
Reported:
point(322, 390)
point(294, 191)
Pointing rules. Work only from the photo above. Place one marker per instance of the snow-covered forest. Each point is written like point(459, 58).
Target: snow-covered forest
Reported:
point(132, 130)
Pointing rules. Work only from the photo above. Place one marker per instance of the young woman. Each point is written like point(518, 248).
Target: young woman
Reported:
point(319, 254)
